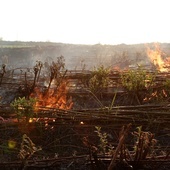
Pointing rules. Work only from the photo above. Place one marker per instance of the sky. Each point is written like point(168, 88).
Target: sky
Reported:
point(85, 21)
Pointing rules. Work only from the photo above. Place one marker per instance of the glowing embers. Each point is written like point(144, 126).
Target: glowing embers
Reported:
point(53, 97)
point(155, 57)
point(157, 95)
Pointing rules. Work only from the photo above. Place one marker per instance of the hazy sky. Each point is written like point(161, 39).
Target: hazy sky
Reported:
point(85, 21)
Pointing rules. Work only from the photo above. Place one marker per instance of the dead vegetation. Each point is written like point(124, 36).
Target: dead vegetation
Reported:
point(101, 119)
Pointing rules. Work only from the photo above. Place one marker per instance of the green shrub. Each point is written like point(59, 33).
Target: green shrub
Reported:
point(99, 79)
point(104, 146)
point(134, 80)
point(166, 86)
point(24, 107)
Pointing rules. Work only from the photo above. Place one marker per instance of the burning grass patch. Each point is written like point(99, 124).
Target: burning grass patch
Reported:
point(67, 132)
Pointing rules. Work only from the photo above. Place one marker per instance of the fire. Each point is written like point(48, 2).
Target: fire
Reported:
point(53, 97)
point(156, 58)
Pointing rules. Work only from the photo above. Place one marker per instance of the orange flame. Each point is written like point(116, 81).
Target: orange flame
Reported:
point(156, 59)
point(53, 98)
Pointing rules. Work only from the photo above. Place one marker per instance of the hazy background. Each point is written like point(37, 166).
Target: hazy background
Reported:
point(85, 21)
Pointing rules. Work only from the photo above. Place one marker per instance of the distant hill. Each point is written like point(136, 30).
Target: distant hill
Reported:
point(25, 54)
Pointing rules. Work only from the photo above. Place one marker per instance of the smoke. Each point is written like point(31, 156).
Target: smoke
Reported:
point(77, 57)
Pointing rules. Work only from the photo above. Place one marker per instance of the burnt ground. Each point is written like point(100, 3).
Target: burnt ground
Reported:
point(68, 138)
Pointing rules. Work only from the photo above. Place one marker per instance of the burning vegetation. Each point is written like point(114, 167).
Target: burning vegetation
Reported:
point(155, 56)
point(53, 98)
point(99, 119)
point(49, 88)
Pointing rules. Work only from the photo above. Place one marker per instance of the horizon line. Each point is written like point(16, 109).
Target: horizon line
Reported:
point(99, 43)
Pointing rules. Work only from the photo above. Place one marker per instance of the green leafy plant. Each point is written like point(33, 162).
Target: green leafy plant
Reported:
point(166, 86)
point(99, 79)
point(24, 107)
point(104, 145)
point(134, 80)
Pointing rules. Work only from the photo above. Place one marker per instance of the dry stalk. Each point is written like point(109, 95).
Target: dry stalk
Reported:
point(123, 135)
point(3, 72)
